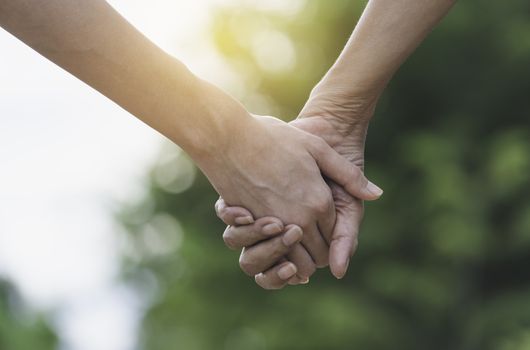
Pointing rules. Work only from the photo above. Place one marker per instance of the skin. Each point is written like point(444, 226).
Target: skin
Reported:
point(262, 163)
point(339, 110)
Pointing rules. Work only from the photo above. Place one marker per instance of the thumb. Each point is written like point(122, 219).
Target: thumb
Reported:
point(344, 173)
point(345, 237)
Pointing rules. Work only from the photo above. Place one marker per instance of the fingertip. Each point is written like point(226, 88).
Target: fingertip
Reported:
point(286, 271)
point(272, 229)
point(263, 281)
point(373, 191)
point(339, 269)
point(243, 220)
point(339, 260)
point(295, 228)
point(270, 226)
point(232, 215)
point(276, 277)
point(292, 235)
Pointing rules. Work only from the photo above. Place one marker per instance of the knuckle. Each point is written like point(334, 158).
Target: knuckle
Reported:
point(322, 204)
point(358, 177)
point(355, 170)
point(354, 179)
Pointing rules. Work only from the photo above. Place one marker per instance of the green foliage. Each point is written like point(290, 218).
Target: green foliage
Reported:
point(442, 261)
point(19, 329)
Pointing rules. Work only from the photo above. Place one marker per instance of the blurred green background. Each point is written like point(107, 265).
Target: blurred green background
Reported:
point(444, 256)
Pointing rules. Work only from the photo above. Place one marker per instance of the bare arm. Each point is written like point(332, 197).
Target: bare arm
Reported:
point(273, 168)
point(385, 36)
point(96, 44)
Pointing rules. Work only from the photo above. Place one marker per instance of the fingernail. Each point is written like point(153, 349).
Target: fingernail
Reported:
point(244, 220)
point(292, 236)
point(304, 281)
point(287, 271)
point(272, 229)
point(374, 189)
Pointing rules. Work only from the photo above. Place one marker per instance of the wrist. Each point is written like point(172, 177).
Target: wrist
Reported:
point(347, 109)
point(216, 121)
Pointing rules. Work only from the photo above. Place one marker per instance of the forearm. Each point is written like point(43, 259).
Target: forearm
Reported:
point(386, 34)
point(93, 42)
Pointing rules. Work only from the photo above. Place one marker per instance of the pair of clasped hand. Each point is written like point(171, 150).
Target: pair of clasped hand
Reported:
point(312, 220)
